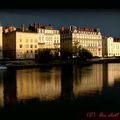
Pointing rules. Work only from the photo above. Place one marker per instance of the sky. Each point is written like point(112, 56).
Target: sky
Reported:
point(107, 20)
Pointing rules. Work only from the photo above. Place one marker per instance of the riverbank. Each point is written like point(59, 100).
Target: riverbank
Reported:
point(33, 64)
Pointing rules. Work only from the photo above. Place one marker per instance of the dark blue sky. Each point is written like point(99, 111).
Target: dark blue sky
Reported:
point(108, 20)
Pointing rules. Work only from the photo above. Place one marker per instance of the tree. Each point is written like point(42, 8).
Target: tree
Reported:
point(76, 48)
point(44, 55)
point(66, 54)
point(85, 54)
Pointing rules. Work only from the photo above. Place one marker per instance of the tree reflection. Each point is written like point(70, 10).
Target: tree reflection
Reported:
point(105, 75)
point(10, 93)
point(67, 82)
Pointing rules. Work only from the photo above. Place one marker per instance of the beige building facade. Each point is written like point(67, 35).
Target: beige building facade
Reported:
point(111, 46)
point(1, 43)
point(24, 43)
point(90, 39)
point(20, 45)
point(48, 39)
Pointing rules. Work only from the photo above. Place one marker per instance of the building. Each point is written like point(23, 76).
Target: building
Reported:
point(24, 42)
point(111, 46)
point(49, 38)
point(76, 37)
point(1, 43)
point(20, 44)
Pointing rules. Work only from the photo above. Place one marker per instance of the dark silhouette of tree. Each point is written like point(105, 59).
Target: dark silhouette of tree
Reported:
point(85, 54)
point(66, 54)
point(45, 55)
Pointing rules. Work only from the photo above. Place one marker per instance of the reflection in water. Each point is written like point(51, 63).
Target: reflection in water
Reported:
point(105, 75)
point(113, 73)
point(1, 88)
point(87, 79)
point(33, 83)
point(66, 82)
point(10, 93)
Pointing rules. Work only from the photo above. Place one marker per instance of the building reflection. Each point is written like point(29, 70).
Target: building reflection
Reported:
point(87, 79)
point(67, 82)
point(113, 73)
point(105, 75)
point(10, 93)
point(35, 83)
point(64, 82)
point(1, 89)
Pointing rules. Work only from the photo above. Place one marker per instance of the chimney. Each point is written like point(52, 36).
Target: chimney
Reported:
point(62, 28)
point(38, 25)
point(22, 27)
point(35, 26)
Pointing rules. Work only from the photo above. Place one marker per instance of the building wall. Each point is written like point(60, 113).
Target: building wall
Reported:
point(104, 47)
point(48, 39)
point(26, 45)
point(1, 44)
point(9, 45)
point(20, 45)
point(66, 41)
point(113, 47)
point(90, 40)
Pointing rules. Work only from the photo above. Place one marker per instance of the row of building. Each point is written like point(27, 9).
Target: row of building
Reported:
point(24, 42)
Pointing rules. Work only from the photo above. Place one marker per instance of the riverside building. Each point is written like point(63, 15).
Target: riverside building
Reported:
point(1, 43)
point(48, 38)
point(24, 43)
point(76, 37)
point(20, 44)
point(111, 46)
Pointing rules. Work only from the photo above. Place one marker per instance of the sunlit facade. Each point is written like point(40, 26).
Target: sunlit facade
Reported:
point(20, 44)
point(24, 43)
point(88, 38)
point(1, 43)
point(48, 39)
point(111, 46)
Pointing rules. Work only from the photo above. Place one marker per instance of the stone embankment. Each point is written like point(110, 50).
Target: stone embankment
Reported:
point(32, 63)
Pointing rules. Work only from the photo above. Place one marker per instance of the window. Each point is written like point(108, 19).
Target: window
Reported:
point(31, 46)
point(35, 46)
point(20, 46)
point(31, 51)
point(35, 51)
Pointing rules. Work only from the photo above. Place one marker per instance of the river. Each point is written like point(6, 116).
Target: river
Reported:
point(96, 84)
